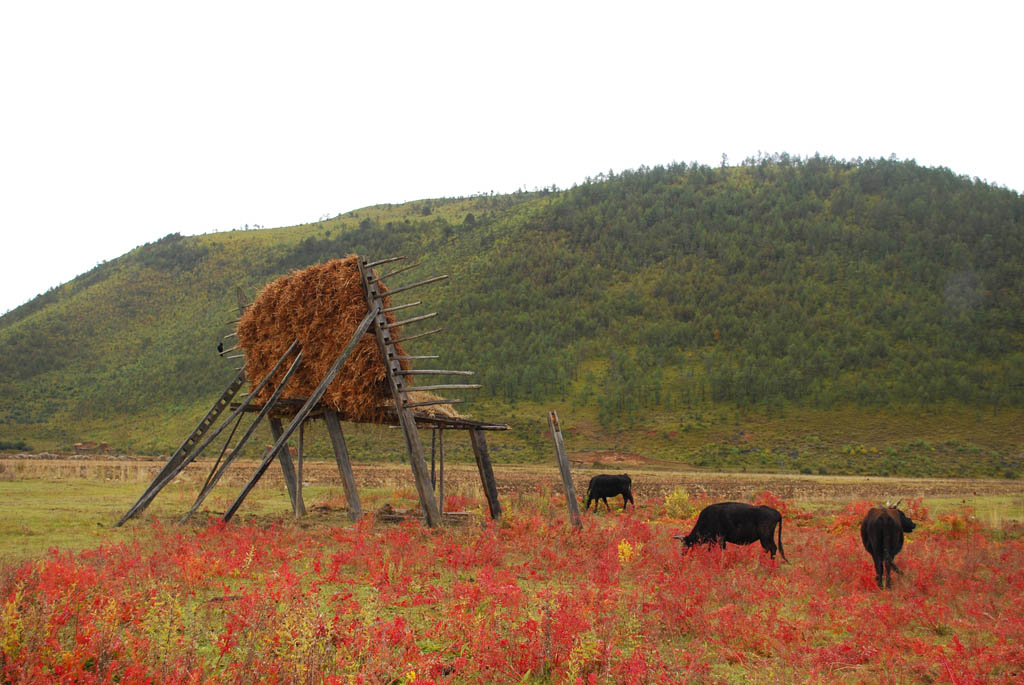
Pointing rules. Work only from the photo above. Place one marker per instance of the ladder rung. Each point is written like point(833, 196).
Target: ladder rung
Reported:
point(410, 405)
point(383, 261)
point(408, 321)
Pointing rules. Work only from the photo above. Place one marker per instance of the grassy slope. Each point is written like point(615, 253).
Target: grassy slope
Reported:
point(125, 353)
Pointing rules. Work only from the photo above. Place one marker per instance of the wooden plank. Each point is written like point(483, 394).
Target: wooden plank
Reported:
point(483, 464)
point(381, 295)
point(440, 441)
point(413, 357)
point(311, 402)
point(348, 479)
point(406, 419)
point(563, 469)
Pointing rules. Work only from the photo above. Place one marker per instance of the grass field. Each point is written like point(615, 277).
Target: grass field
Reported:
point(269, 598)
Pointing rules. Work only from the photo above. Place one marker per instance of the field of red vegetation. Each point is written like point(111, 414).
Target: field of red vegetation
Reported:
point(527, 599)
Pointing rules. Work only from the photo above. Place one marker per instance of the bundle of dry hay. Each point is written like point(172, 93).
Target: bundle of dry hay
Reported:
point(321, 307)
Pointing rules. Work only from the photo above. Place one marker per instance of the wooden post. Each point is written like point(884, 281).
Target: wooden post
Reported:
point(288, 469)
point(440, 443)
point(563, 468)
point(348, 480)
point(483, 464)
point(433, 445)
point(298, 465)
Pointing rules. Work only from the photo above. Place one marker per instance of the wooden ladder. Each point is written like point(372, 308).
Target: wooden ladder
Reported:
point(186, 447)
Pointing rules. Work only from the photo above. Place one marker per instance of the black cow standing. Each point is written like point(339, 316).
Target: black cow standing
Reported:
point(603, 486)
point(738, 523)
point(882, 533)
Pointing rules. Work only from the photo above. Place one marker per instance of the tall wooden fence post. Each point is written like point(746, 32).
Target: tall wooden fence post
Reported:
point(563, 468)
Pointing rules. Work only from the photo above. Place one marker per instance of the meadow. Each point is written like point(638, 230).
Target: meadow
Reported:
point(527, 599)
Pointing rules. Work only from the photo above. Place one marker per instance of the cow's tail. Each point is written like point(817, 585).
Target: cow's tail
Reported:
point(782, 552)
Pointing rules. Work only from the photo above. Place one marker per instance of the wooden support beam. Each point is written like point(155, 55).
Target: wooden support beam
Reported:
point(413, 337)
point(288, 469)
point(414, 319)
point(401, 306)
point(483, 464)
point(431, 388)
point(395, 291)
point(440, 484)
point(348, 479)
point(181, 456)
point(563, 469)
point(433, 447)
point(432, 372)
point(298, 464)
point(382, 261)
point(396, 272)
point(188, 451)
point(411, 357)
point(237, 451)
point(311, 402)
point(410, 405)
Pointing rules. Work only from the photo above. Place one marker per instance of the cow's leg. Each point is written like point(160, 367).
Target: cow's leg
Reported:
point(769, 545)
point(605, 500)
point(878, 569)
point(888, 573)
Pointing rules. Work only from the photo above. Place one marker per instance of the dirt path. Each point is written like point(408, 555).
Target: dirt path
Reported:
point(648, 483)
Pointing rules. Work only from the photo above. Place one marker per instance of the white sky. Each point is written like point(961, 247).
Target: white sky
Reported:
point(121, 122)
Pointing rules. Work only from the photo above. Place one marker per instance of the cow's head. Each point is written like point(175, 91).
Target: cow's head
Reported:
point(687, 540)
point(905, 523)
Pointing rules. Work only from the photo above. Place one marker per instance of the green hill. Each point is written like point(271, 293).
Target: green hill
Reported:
point(665, 311)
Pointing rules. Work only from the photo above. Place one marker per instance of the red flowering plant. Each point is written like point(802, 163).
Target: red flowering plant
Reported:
point(529, 598)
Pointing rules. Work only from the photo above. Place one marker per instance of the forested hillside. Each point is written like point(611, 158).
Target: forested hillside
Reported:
point(778, 285)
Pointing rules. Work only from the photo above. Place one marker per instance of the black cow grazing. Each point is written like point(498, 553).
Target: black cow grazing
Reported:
point(603, 486)
point(738, 523)
point(882, 533)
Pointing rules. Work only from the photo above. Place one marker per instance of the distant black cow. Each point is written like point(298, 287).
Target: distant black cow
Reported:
point(882, 533)
point(738, 523)
point(603, 486)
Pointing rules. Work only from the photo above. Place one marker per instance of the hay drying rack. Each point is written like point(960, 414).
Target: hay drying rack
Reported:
point(405, 415)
